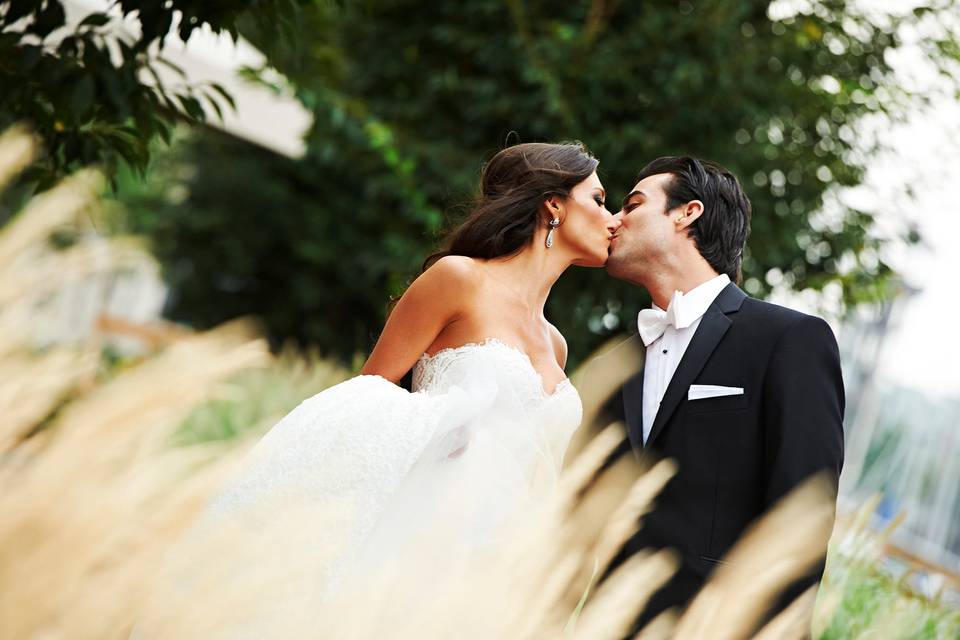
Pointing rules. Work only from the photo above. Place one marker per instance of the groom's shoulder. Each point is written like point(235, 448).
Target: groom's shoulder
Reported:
point(771, 312)
point(777, 319)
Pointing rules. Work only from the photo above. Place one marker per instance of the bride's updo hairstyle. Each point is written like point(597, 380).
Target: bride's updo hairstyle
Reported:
point(514, 185)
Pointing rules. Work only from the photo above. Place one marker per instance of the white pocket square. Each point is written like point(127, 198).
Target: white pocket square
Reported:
point(701, 391)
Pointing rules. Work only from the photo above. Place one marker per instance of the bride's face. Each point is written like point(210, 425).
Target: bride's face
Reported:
point(587, 225)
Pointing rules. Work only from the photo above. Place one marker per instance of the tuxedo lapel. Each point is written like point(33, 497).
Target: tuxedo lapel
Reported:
point(633, 408)
point(713, 326)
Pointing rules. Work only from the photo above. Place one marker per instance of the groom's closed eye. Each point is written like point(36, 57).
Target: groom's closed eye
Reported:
point(632, 200)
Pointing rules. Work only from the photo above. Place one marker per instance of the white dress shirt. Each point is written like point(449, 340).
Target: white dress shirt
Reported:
point(664, 353)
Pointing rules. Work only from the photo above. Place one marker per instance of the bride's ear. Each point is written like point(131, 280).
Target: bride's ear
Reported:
point(553, 208)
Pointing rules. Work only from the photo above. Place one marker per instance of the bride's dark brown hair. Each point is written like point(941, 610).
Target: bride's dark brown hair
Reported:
point(514, 185)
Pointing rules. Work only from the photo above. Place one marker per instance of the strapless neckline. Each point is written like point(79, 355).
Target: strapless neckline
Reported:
point(498, 343)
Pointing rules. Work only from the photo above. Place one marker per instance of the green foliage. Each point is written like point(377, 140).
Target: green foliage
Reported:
point(313, 257)
point(410, 98)
point(93, 95)
point(867, 602)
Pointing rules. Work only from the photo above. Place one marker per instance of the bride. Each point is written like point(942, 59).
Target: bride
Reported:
point(491, 412)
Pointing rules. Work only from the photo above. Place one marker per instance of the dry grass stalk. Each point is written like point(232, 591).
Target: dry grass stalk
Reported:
point(18, 148)
point(97, 506)
point(627, 590)
point(623, 521)
point(598, 378)
point(88, 499)
point(49, 271)
point(45, 213)
point(793, 623)
point(36, 384)
point(660, 628)
point(779, 548)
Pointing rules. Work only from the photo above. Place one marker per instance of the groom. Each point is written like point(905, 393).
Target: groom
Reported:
point(746, 396)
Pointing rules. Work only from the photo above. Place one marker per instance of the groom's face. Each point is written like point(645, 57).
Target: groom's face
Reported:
point(647, 232)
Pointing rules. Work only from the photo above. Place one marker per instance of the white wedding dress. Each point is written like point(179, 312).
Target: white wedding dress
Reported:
point(477, 441)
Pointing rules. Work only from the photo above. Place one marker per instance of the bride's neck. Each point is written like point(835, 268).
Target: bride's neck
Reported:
point(529, 274)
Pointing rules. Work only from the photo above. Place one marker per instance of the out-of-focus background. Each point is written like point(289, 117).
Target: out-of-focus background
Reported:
point(296, 160)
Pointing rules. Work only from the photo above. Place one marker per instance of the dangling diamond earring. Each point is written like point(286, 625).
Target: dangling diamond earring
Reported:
point(553, 227)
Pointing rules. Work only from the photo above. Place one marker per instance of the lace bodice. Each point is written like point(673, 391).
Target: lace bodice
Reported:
point(516, 410)
point(515, 374)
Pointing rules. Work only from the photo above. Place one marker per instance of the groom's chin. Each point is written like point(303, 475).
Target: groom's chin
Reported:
point(612, 266)
point(618, 268)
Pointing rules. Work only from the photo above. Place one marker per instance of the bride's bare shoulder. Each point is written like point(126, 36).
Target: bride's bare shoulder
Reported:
point(455, 273)
point(456, 266)
point(446, 287)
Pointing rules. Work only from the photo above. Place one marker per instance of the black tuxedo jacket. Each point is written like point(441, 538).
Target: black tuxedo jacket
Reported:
point(738, 454)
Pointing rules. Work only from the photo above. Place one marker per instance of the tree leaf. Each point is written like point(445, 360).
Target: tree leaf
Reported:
point(224, 93)
point(15, 10)
point(48, 19)
point(214, 104)
point(172, 66)
point(95, 20)
point(192, 107)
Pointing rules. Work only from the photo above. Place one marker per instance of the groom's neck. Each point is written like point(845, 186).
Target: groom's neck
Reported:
point(683, 277)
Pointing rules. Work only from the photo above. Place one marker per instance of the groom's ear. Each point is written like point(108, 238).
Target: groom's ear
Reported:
point(687, 214)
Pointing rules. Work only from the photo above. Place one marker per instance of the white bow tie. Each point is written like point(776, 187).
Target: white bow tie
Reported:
point(653, 322)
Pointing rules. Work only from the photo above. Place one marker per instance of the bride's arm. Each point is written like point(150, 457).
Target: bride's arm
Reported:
point(434, 300)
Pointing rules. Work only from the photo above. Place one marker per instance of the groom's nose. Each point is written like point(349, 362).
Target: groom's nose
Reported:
point(615, 222)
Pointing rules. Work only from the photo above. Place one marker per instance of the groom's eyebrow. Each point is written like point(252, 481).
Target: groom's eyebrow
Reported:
point(632, 194)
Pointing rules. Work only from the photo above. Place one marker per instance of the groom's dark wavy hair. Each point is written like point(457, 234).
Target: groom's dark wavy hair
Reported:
point(514, 185)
